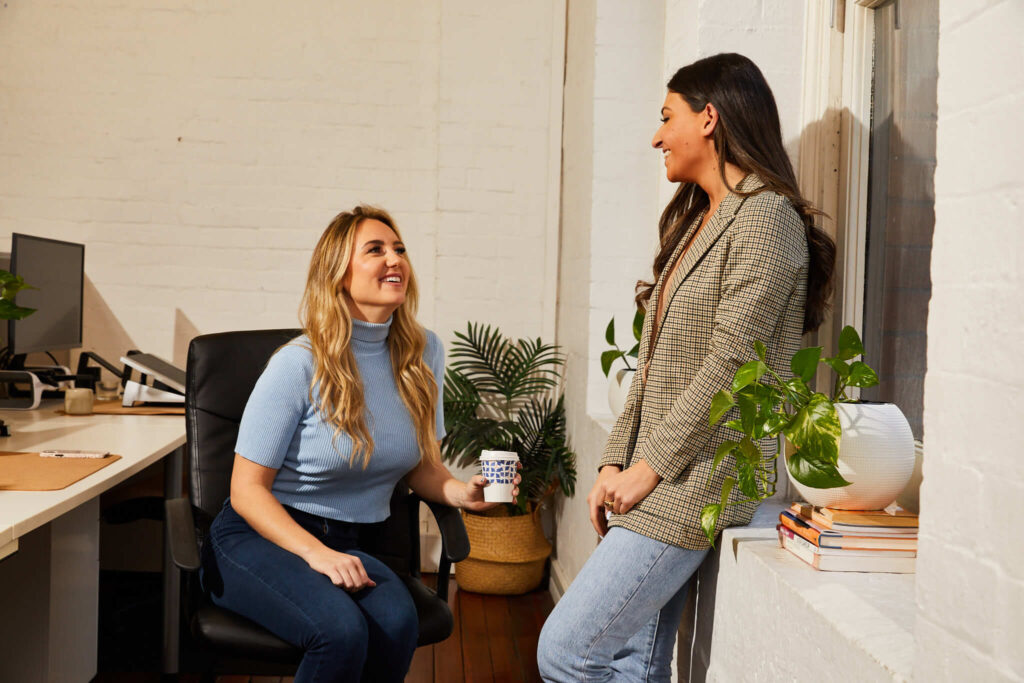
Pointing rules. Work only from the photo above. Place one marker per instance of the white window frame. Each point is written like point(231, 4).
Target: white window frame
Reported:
point(834, 147)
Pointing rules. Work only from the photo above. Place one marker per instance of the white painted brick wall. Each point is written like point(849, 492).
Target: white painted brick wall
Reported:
point(199, 150)
point(970, 581)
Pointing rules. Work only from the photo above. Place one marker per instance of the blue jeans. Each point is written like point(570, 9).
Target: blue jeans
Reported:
point(618, 619)
point(369, 635)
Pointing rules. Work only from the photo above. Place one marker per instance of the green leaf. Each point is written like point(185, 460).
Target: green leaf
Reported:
point(607, 358)
point(842, 369)
point(9, 311)
point(747, 476)
point(748, 413)
point(638, 323)
point(775, 423)
point(635, 351)
point(748, 372)
point(609, 333)
point(720, 405)
point(727, 486)
point(709, 520)
point(805, 363)
point(760, 349)
point(861, 375)
point(735, 424)
point(850, 345)
point(723, 450)
point(813, 472)
point(815, 430)
point(749, 450)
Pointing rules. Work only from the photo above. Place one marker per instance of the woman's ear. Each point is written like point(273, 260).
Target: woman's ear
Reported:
point(709, 120)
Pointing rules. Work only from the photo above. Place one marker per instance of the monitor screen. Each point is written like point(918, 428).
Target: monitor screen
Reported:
point(56, 270)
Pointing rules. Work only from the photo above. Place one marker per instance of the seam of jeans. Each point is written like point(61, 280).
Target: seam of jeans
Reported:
point(586, 657)
point(221, 553)
point(650, 650)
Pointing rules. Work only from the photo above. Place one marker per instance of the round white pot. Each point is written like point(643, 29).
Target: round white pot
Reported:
point(876, 454)
point(618, 387)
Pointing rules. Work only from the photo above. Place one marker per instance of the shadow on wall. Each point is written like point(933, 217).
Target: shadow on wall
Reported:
point(184, 331)
point(102, 332)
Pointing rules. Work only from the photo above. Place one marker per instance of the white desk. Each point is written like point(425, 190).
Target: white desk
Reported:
point(49, 541)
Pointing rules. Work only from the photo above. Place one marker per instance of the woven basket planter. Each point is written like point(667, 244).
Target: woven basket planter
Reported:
point(506, 554)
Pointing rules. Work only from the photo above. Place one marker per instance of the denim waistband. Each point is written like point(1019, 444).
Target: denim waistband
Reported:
point(324, 527)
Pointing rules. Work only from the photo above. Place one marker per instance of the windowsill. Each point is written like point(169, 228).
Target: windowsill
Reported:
point(771, 606)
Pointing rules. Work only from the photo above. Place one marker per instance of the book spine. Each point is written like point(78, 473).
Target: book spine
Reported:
point(803, 530)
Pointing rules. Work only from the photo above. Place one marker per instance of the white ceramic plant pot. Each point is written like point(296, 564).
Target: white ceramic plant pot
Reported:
point(618, 388)
point(876, 454)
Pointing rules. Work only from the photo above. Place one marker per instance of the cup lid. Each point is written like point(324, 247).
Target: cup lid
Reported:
point(499, 455)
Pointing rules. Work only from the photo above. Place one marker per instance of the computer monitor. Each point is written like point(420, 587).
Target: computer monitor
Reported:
point(56, 270)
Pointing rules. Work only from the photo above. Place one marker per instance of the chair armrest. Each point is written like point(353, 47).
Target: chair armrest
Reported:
point(454, 540)
point(181, 534)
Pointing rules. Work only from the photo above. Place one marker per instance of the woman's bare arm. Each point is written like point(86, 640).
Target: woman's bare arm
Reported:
point(251, 498)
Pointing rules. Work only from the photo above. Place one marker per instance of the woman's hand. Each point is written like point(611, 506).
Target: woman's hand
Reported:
point(596, 498)
point(627, 488)
point(473, 497)
point(343, 570)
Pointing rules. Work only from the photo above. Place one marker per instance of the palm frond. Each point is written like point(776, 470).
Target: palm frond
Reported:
point(479, 355)
point(532, 366)
point(461, 399)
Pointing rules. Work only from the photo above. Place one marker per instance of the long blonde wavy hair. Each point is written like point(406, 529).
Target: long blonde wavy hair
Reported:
point(327, 322)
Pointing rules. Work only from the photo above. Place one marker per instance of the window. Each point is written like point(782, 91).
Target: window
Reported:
point(869, 133)
point(901, 202)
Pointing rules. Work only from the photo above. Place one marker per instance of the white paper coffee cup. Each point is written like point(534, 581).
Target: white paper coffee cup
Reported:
point(499, 468)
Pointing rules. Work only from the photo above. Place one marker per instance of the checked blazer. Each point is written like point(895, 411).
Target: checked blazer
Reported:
point(743, 278)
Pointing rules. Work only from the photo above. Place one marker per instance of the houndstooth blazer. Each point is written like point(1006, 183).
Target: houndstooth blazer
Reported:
point(744, 278)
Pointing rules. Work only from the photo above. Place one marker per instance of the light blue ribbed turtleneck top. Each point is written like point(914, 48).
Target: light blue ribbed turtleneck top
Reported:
point(282, 430)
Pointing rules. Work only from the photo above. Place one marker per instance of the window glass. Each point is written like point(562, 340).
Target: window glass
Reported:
point(901, 203)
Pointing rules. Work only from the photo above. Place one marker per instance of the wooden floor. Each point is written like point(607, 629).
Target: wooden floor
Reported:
point(495, 639)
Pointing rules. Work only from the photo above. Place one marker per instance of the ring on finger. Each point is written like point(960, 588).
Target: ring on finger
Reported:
point(608, 504)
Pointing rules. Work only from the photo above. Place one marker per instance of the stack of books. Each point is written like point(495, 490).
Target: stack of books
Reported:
point(850, 540)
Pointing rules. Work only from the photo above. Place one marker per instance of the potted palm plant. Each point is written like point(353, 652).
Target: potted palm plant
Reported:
point(846, 453)
point(503, 394)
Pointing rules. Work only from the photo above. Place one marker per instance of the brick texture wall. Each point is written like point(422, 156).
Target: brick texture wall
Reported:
point(970, 580)
point(199, 150)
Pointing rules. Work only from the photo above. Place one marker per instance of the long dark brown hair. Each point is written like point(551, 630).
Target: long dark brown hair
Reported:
point(748, 135)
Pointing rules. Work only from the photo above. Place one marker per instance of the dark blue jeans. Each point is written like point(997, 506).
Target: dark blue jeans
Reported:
point(369, 635)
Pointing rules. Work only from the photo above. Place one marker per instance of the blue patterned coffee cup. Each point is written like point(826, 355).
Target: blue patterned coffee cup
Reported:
point(499, 469)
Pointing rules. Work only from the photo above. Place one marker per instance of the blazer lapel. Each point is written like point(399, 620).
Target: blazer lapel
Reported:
point(721, 220)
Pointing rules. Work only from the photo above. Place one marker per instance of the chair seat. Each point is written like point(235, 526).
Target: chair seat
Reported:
point(240, 637)
point(436, 622)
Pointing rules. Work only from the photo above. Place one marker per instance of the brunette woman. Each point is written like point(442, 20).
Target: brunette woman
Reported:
point(337, 418)
point(740, 259)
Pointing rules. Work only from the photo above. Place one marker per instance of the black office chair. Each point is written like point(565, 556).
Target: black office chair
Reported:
point(222, 371)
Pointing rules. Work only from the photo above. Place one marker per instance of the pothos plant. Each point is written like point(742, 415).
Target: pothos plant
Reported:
point(10, 285)
point(499, 394)
point(608, 357)
point(772, 407)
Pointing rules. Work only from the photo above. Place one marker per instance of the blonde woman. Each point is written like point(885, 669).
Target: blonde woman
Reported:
point(338, 416)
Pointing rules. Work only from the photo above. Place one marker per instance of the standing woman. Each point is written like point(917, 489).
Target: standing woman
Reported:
point(338, 416)
point(739, 260)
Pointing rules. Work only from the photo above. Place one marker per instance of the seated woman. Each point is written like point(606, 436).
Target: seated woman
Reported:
point(338, 416)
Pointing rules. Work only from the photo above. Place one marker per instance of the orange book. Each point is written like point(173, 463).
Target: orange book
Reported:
point(878, 521)
point(814, 533)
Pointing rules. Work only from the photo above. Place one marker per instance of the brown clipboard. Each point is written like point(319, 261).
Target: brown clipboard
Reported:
point(32, 472)
point(115, 408)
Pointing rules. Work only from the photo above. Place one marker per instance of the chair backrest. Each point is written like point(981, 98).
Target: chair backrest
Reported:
point(221, 373)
